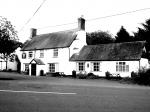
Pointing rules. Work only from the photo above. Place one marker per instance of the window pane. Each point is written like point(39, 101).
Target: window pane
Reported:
point(41, 53)
point(26, 67)
point(30, 54)
point(117, 68)
point(120, 63)
point(81, 66)
point(23, 55)
point(127, 68)
point(96, 66)
point(52, 67)
point(122, 67)
point(55, 53)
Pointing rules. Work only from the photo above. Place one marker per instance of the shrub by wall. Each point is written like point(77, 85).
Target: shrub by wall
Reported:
point(87, 76)
point(142, 77)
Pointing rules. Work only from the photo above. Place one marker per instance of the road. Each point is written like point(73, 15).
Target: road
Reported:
point(49, 94)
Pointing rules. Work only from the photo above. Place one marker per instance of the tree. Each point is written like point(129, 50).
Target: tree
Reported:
point(123, 35)
point(139, 35)
point(98, 37)
point(8, 38)
point(144, 34)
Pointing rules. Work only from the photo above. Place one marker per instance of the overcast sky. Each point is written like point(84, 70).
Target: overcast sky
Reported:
point(57, 12)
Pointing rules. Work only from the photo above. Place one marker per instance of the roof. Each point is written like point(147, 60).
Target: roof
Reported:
point(110, 52)
point(38, 61)
point(60, 39)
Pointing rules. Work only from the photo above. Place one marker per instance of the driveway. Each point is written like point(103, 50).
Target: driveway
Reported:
point(20, 93)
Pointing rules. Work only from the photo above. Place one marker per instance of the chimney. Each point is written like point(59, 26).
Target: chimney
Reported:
point(33, 32)
point(81, 23)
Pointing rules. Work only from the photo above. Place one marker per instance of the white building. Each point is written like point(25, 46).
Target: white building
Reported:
point(12, 62)
point(65, 51)
point(51, 52)
point(116, 58)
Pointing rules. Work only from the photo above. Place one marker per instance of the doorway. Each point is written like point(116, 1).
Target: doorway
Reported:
point(33, 69)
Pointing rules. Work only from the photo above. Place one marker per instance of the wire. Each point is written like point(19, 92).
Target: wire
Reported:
point(118, 14)
point(33, 15)
point(57, 25)
point(103, 17)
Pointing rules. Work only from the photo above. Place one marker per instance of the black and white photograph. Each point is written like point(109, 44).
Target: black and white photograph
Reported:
point(75, 56)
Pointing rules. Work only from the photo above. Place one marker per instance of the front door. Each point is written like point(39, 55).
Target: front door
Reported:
point(33, 69)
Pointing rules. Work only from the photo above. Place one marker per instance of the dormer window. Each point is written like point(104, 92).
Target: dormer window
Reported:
point(55, 53)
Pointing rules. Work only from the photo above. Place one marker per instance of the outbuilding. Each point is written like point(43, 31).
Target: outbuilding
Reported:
point(116, 58)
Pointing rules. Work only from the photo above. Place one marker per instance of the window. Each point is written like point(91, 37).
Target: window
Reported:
point(23, 55)
point(41, 53)
point(12, 58)
point(52, 67)
point(96, 66)
point(81, 66)
point(30, 54)
point(26, 67)
point(55, 53)
point(122, 67)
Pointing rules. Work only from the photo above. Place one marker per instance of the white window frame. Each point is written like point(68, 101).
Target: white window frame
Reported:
point(96, 66)
point(55, 53)
point(80, 66)
point(30, 54)
point(53, 67)
point(26, 67)
point(24, 55)
point(122, 67)
point(41, 53)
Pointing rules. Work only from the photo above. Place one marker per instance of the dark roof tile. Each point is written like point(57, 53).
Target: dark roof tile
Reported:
point(110, 52)
point(60, 39)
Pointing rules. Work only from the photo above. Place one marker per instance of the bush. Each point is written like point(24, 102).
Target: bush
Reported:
point(142, 77)
point(81, 76)
point(9, 70)
point(92, 76)
point(87, 76)
point(56, 74)
point(4, 70)
point(107, 74)
point(134, 75)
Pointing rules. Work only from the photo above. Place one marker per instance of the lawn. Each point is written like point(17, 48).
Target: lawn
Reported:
point(52, 94)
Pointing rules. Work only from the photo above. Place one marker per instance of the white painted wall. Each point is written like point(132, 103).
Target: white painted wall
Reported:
point(39, 68)
point(23, 61)
point(12, 65)
point(62, 60)
point(110, 66)
point(144, 63)
point(78, 43)
point(2, 65)
point(64, 65)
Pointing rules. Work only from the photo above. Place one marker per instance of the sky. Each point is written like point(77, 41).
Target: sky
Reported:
point(53, 14)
